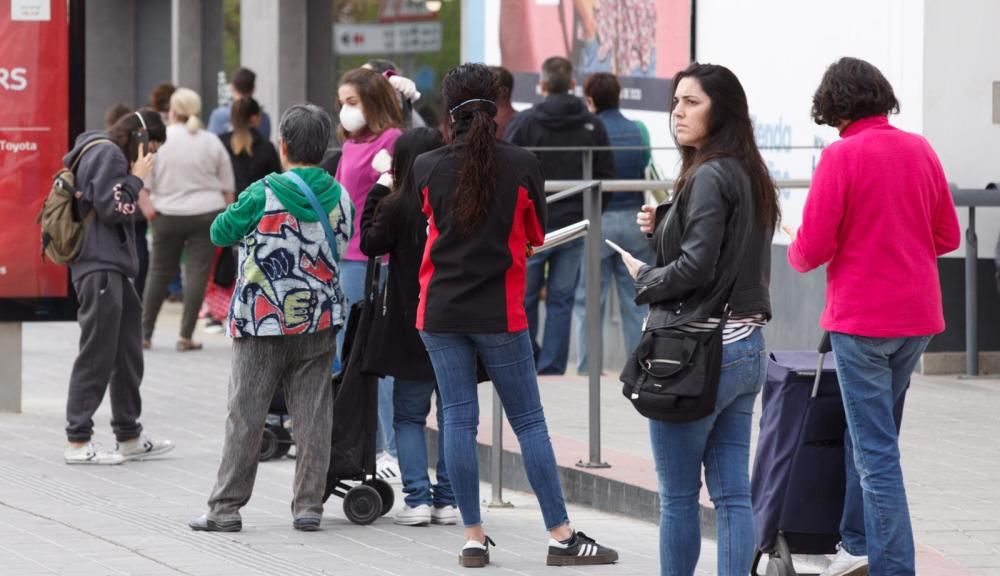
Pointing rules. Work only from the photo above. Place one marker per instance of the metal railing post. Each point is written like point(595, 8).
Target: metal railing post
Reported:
point(971, 305)
point(595, 350)
point(496, 456)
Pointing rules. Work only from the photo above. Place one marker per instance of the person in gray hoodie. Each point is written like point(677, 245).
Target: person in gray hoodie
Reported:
point(109, 176)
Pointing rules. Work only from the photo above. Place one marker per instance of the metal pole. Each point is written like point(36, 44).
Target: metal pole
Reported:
point(595, 351)
point(10, 367)
point(971, 306)
point(496, 456)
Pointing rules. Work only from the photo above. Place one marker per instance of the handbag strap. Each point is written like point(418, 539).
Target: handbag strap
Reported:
point(324, 218)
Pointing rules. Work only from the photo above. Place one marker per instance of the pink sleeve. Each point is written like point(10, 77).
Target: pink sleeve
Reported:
point(389, 138)
point(947, 235)
point(816, 241)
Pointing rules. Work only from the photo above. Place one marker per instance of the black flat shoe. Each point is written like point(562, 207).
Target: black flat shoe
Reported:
point(306, 524)
point(204, 524)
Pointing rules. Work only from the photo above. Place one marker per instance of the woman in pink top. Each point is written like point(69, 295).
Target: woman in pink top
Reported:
point(370, 121)
point(879, 213)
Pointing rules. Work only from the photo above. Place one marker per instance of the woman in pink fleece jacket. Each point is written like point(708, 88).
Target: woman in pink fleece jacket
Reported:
point(879, 213)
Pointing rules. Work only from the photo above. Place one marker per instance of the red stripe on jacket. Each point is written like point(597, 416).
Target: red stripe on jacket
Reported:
point(426, 265)
point(525, 230)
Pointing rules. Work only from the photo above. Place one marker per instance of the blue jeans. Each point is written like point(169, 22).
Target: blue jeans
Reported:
point(411, 402)
point(722, 443)
point(563, 275)
point(352, 281)
point(874, 373)
point(619, 227)
point(508, 360)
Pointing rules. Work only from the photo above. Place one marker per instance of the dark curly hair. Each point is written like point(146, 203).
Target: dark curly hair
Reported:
point(852, 89)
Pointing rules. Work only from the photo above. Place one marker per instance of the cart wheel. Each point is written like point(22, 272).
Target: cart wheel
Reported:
point(268, 446)
point(386, 492)
point(362, 505)
point(285, 442)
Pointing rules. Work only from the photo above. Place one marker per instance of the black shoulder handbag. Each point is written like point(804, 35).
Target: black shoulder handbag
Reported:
point(674, 376)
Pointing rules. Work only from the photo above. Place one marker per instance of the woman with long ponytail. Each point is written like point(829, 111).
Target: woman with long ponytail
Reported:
point(253, 157)
point(485, 206)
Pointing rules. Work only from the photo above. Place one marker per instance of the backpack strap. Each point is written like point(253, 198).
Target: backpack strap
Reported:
point(76, 193)
point(324, 218)
point(86, 149)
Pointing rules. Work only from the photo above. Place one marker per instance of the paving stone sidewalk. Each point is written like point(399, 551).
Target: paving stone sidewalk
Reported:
point(950, 447)
point(131, 519)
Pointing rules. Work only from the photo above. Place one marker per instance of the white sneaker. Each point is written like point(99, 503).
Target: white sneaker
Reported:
point(90, 453)
point(387, 468)
point(143, 447)
point(418, 516)
point(444, 515)
point(844, 564)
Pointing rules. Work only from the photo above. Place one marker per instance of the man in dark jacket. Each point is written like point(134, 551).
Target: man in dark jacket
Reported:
point(561, 119)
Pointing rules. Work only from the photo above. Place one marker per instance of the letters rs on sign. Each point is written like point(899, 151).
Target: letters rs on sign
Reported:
point(13, 79)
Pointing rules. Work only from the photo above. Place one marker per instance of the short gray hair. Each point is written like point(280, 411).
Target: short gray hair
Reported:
point(305, 129)
point(557, 74)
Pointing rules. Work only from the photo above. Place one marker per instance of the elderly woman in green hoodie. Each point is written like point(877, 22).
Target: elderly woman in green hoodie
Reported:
point(285, 312)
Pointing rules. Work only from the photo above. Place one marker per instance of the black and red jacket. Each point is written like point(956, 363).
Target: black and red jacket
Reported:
point(474, 283)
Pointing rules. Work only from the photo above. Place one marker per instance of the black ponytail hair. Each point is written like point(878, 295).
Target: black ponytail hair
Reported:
point(470, 92)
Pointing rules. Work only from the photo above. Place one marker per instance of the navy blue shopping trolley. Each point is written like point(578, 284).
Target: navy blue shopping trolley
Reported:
point(797, 485)
point(798, 478)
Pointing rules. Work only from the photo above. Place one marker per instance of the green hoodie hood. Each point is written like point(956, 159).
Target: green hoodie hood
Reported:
point(241, 218)
point(327, 190)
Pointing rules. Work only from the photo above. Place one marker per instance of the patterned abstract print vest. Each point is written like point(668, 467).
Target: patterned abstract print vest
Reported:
point(288, 279)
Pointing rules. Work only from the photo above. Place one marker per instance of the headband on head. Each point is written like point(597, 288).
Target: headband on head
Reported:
point(141, 120)
point(470, 101)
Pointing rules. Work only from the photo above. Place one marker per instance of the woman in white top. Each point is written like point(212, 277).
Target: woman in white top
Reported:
point(191, 183)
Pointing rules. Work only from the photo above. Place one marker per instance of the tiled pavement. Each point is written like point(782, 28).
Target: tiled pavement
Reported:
point(131, 519)
point(56, 519)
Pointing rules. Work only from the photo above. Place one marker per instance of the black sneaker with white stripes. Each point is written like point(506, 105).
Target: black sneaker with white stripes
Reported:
point(579, 550)
point(475, 554)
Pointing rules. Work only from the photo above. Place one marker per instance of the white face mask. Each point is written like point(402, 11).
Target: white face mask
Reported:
point(352, 118)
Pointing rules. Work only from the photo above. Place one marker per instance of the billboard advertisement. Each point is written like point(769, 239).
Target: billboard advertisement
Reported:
point(34, 135)
point(643, 42)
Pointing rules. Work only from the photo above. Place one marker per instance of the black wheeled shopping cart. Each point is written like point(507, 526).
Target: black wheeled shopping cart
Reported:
point(355, 407)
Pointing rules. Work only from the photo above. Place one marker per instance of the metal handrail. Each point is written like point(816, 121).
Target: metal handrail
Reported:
point(644, 148)
point(972, 198)
point(611, 186)
point(572, 190)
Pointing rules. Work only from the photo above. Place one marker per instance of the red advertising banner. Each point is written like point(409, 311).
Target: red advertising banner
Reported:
point(34, 129)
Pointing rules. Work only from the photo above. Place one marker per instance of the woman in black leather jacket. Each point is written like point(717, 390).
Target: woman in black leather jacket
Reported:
point(716, 235)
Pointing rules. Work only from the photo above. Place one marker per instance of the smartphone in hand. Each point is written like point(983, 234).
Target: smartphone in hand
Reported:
point(616, 247)
point(140, 144)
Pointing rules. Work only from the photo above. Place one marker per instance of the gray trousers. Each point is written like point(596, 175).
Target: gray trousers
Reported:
point(260, 364)
point(110, 352)
point(171, 236)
